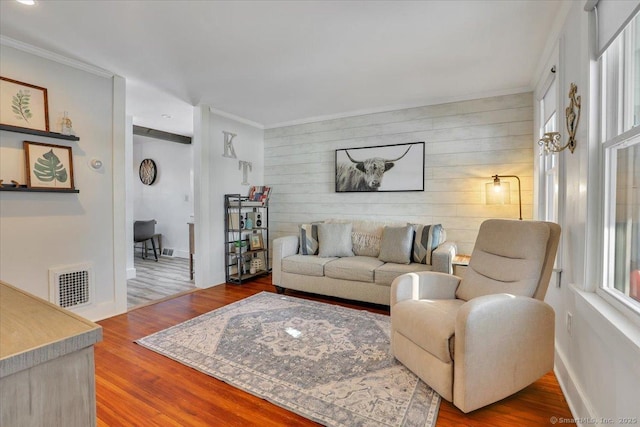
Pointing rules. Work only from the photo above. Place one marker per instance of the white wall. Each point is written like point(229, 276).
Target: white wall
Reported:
point(40, 231)
point(216, 176)
point(169, 200)
point(597, 363)
point(466, 143)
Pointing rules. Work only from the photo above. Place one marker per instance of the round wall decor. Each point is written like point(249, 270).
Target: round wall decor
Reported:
point(148, 171)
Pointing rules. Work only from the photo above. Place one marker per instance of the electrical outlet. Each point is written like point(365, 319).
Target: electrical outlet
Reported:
point(569, 321)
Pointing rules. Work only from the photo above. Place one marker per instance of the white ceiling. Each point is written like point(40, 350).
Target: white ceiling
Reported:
point(276, 62)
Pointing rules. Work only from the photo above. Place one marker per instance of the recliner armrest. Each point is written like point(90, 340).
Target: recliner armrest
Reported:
point(423, 285)
point(503, 340)
point(282, 248)
point(442, 257)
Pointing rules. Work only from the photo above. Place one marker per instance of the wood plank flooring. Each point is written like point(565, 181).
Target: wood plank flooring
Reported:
point(158, 280)
point(138, 387)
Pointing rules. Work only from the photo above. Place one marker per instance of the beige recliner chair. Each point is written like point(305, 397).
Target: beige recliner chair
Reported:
point(482, 338)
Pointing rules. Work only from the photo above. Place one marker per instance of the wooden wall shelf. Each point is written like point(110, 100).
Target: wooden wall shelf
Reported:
point(56, 135)
point(25, 189)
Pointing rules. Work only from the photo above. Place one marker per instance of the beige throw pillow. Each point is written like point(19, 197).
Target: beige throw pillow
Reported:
point(334, 240)
point(396, 244)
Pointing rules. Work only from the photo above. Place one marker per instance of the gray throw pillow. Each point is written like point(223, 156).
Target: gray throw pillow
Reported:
point(334, 240)
point(308, 239)
point(428, 238)
point(396, 244)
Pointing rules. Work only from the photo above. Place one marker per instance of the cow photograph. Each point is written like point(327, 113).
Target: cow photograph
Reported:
point(398, 167)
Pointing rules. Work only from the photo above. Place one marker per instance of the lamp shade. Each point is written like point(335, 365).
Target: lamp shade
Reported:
point(498, 194)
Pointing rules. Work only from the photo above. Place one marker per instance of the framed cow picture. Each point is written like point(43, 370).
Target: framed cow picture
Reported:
point(398, 167)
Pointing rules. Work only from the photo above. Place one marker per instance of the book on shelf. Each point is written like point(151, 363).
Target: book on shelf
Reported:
point(259, 194)
point(258, 197)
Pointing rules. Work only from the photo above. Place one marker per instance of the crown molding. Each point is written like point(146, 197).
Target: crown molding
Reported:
point(43, 53)
point(236, 118)
point(389, 108)
point(553, 37)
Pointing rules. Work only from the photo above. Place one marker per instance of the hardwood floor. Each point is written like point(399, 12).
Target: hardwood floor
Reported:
point(138, 387)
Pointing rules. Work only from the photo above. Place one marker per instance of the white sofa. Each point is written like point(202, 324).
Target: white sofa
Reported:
point(365, 276)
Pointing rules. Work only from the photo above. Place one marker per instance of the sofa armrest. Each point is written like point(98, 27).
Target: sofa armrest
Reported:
point(423, 285)
point(503, 340)
point(442, 257)
point(282, 248)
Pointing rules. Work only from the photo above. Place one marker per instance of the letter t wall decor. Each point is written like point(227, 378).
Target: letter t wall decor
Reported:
point(246, 167)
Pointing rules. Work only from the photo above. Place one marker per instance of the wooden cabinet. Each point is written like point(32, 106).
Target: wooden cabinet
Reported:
point(47, 371)
point(246, 243)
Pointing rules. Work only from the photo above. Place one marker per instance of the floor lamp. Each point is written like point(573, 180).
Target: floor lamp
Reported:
point(498, 193)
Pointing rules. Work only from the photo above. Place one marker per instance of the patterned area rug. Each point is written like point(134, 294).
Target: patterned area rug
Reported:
point(328, 363)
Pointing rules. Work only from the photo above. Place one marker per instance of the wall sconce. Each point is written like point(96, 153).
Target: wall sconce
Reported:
point(550, 141)
point(498, 193)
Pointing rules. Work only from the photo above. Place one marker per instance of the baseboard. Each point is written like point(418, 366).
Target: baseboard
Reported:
point(100, 311)
point(131, 273)
point(181, 254)
point(578, 402)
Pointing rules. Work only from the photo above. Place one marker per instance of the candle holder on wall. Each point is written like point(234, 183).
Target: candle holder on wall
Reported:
point(550, 141)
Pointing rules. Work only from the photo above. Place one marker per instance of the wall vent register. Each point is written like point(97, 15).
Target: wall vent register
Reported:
point(71, 286)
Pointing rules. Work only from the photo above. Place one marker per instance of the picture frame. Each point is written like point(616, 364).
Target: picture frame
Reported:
point(23, 105)
point(256, 242)
point(48, 166)
point(382, 168)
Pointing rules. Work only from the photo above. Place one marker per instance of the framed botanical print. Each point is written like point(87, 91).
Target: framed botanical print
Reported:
point(256, 242)
point(23, 105)
point(48, 166)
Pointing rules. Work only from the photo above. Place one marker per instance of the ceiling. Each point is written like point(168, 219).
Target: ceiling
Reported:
point(284, 62)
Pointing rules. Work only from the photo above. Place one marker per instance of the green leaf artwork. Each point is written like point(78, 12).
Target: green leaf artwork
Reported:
point(20, 105)
point(48, 168)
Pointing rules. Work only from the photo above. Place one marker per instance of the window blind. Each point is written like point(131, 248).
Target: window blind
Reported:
point(612, 17)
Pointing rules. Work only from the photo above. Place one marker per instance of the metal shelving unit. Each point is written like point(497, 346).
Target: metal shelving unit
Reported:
point(237, 246)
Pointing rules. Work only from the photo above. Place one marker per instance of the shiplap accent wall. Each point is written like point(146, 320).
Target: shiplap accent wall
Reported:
point(465, 144)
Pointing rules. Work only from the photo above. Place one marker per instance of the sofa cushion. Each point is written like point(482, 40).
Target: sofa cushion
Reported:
point(308, 265)
point(366, 234)
point(335, 240)
point(430, 324)
point(366, 244)
point(396, 244)
point(427, 239)
point(309, 239)
point(358, 268)
point(385, 274)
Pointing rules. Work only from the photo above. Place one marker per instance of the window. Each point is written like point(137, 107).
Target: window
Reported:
point(549, 161)
point(624, 218)
point(620, 134)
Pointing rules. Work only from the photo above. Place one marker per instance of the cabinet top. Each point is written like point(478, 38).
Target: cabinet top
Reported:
point(33, 330)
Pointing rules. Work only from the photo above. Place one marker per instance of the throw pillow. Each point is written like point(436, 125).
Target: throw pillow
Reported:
point(334, 240)
point(308, 239)
point(428, 238)
point(366, 244)
point(396, 244)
